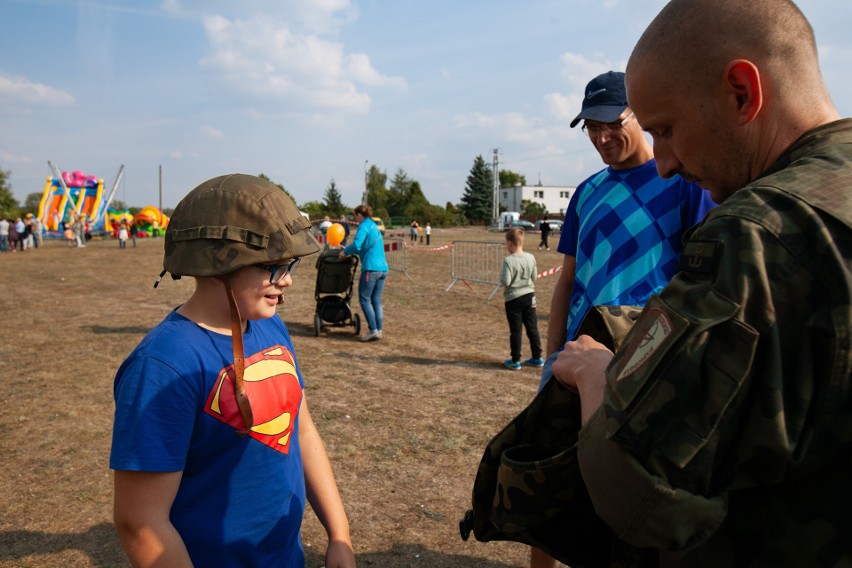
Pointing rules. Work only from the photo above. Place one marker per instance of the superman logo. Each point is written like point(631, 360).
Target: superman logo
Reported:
point(272, 387)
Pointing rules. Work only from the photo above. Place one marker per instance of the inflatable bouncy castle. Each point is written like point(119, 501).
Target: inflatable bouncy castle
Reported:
point(151, 221)
point(114, 218)
point(77, 195)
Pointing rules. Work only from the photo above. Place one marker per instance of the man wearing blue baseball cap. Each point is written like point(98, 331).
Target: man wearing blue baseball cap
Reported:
point(623, 231)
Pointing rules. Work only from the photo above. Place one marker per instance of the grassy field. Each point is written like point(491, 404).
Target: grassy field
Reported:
point(405, 419)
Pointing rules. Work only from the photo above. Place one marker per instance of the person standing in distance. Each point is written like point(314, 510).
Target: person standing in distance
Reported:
point(622, 236)
point(544, 227)
point(370, 246)
point(720, 434)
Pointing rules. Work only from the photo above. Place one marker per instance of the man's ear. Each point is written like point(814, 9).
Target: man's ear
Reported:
point(742, 83)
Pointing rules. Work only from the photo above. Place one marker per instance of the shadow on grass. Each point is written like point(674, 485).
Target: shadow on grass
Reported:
point(100, 543)
point(345, 332)
point(427, 362)
point(103, 329)
point(411, 555)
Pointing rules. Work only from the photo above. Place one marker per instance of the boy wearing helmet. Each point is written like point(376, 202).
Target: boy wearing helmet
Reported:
point(214, 449)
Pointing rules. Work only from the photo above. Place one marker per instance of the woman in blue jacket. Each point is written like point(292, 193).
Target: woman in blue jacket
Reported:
point(368, 244)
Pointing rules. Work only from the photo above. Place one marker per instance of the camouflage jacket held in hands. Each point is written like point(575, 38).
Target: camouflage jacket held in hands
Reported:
point(725, 438)
point(528, 487)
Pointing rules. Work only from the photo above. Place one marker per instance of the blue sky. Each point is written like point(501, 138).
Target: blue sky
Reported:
point(306, 91)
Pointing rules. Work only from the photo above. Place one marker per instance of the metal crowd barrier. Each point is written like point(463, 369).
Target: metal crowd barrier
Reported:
point(477, 261)
point(397, 256)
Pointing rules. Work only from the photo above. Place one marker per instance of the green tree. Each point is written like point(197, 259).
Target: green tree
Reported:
point(334, 201)
point(383, 213)
point(404, 193)
point(314, 209)
point(119, 205)
point(377, 192)
point(532, 208)
point(9, 206)
point(478, 192)
point(509, 178)
point(263, 176)
point(31, 203)
point(455, 213)
point(436, 215)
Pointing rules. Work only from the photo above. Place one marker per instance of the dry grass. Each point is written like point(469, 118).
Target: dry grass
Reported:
point(405, 419)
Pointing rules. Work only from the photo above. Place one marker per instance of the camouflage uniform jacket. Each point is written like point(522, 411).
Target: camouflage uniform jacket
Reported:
point(725, 438)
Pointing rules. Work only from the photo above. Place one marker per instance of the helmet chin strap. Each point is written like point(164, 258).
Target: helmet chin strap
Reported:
point(239, 360)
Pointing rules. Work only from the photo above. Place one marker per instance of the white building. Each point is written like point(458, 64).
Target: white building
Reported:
point(554, 198)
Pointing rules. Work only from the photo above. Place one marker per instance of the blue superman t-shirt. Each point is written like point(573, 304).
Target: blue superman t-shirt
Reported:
point(241, 498)
point(625, 228)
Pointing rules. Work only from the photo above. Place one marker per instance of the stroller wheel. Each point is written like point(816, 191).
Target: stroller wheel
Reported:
point(357, 319)
point(317, 324)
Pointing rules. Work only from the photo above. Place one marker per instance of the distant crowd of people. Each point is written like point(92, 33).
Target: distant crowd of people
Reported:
point(21, 234)
point(25, 233)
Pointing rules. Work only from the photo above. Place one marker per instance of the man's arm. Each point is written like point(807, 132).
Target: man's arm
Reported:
point(141, 514)
point(582, 365)
point(323, 494)
point(559, 305)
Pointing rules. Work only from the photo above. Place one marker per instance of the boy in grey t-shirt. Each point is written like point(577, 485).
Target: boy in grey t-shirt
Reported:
point(518, 276)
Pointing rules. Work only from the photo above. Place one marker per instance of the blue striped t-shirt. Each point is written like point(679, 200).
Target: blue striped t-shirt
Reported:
point(625, 228)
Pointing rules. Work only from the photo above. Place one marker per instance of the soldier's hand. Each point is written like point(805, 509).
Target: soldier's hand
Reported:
point(582, 365)
point(582, 360)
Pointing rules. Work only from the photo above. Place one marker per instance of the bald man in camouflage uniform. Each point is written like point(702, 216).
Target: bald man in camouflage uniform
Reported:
point(720, 434)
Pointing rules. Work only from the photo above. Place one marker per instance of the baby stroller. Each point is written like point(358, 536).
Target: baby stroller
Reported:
point(335, 280)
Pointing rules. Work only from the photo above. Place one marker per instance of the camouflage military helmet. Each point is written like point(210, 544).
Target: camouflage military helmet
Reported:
point(233, 221)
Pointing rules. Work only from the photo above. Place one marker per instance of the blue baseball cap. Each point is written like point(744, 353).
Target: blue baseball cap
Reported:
point(605, 98)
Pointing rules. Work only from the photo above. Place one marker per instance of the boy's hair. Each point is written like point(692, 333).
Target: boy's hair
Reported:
point(515, 236)
point(233, 221)
point(364, 211)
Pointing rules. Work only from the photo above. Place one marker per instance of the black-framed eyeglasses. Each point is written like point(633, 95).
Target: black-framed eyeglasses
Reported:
point(595, 130)
point(280, 271)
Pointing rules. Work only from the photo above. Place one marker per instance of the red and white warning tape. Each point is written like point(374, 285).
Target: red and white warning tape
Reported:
point(444, 247)
point(549, 272)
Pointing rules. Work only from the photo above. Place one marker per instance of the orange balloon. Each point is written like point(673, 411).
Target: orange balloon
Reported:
point(335, 234)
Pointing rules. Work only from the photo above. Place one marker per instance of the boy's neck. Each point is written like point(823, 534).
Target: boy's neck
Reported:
point(516, 249)
point(208, 307)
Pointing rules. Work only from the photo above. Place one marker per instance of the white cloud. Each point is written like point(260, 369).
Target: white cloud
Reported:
point(22, 90)
point(211, 132)
point(265, 58)
point(180, 155)
point(7, 158)
point(359, 69)
point(578, 70)
point(562, 107)
point(314, 16)
point(420, 160)
point(511, 126)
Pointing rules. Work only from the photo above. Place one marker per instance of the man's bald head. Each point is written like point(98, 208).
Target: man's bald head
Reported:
point(724, 87)
point(694, 40)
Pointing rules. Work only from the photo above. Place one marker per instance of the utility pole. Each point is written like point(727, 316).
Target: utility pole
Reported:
point(161, 188)
point(366, 184)
point(495, 199)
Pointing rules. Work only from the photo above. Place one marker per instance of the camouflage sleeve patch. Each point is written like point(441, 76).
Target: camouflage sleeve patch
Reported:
point(672, 383)
point(700, 257)
point(650, 339)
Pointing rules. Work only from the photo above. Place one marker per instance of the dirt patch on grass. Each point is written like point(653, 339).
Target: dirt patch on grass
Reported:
point(405, 419)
